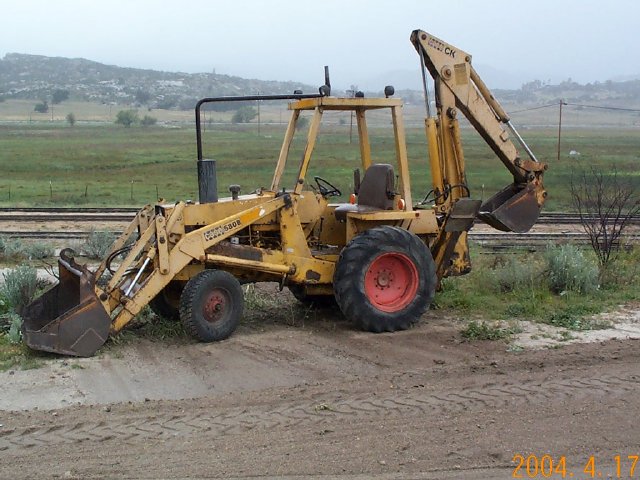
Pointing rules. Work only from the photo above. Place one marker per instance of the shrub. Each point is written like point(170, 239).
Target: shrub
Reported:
point(148, 120)
point(244, 115)
point(71, 119)
point(127, 118)
point(12, 248)
point(38, 251)
point(42, 107)
point(98, 243)
point(20, 286)
point(514, 274)
point(568, 270)
point(14, 335)
point(576, 317)
point(484, 331)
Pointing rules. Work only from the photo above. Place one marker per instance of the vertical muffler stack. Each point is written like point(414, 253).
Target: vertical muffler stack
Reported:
point(207, 181)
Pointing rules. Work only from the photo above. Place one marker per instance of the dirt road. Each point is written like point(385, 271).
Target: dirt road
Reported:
point(320, 400)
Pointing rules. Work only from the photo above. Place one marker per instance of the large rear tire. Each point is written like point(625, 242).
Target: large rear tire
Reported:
point(385, 279)
point(211, 305)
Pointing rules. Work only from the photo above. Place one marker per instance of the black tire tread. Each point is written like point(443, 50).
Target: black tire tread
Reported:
point(188, 307)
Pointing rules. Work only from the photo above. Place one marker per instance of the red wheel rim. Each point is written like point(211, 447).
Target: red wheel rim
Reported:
point(391, 282)
point(216, 305)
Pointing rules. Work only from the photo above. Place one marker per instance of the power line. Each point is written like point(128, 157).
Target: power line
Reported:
point(555, 104)
point(536, 108)
point(603, 107)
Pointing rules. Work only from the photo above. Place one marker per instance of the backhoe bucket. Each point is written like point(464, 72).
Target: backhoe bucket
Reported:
point(68, 319)
point(512, 209)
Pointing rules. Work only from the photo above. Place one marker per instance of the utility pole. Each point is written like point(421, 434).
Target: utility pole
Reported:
point(562, 102)
point(351, 93)
point(258, 102)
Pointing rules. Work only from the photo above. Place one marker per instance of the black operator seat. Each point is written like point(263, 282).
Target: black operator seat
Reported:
point(376, 192)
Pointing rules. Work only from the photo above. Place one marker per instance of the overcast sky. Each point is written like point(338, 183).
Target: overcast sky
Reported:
point(361, 41)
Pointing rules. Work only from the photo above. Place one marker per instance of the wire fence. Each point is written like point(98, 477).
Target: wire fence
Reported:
point(54, 193)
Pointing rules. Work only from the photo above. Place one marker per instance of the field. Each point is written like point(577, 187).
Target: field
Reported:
point(98, 163)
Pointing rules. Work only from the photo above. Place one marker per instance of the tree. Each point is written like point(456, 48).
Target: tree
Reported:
point(606, 204)
point(59, 96)
point(127, 118)
point(148, 120)
point(42, 107)
point(71, 119)
point(143, 97)
point(244, 115)
point(302, 123)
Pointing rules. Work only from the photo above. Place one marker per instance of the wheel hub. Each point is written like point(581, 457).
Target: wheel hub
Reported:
point(384, 278)
point(215, 305)
point(391, 282)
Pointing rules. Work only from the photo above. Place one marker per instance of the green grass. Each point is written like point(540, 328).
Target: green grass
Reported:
point(95, 165)
point(487, 331)
point(18, 356)
point(479, 295)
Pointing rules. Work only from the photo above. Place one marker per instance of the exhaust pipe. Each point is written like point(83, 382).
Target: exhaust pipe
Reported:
point(207, 181)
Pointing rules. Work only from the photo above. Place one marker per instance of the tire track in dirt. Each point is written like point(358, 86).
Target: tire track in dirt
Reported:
point(134, 428)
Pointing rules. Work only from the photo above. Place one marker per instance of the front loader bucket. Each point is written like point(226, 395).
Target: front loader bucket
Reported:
point(68, 319)
point(512, 209)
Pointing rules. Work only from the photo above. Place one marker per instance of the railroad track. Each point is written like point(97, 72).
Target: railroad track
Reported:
point(493, 240)
point(102, 215)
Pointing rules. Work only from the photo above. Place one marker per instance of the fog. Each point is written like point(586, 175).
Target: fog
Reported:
point(363, 42)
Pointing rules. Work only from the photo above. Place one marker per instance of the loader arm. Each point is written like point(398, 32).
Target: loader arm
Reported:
point(459, 87)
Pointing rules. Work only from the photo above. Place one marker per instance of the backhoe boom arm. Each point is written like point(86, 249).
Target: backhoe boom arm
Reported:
point(459, 87)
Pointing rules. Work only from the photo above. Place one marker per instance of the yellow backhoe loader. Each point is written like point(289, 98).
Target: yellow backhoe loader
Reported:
point(380, 257)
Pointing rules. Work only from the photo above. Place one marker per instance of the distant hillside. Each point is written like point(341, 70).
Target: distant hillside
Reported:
point(37, 77)
point(609, 93)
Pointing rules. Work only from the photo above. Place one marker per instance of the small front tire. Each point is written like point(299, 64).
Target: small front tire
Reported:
point(211, 305)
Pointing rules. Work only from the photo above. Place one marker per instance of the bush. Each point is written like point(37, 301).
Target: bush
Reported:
point(514, 275)
point(38, 251)
point(568, 270)
point(71, 119)
point(148, 120)
point(98, 244)
point(41, 107)
point(576, 317)
point(14, 335)
point(127, 118)
point(244, 115)
point(484, 331)
point(20, 286)
point(302, 123)
point(59, 96)
point(12, 249)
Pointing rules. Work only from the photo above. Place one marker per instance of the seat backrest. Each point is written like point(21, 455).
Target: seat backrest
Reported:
point(377, 187)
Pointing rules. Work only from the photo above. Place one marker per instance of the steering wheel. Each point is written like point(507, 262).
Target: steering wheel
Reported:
point(326, 188)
